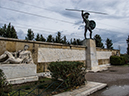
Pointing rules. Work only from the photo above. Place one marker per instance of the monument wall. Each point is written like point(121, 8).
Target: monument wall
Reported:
point(103, 55)
point(44, 52)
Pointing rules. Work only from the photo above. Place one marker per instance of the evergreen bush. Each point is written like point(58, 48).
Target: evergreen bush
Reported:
point(117, 60)
point(5, 87)
point(126, 58)
point(71, 72)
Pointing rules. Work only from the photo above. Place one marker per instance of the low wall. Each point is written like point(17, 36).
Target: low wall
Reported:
point(44, 52)
point(103, 55)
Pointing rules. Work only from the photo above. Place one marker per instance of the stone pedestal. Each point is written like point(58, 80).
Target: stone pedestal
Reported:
point(91, 55)
point(19, 73)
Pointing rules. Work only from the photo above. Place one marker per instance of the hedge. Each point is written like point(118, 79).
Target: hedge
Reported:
point(5, 87)
point(117, 60)
point(71, 72)
point(126, 58)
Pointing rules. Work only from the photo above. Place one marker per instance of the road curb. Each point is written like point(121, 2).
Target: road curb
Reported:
point(85, 90)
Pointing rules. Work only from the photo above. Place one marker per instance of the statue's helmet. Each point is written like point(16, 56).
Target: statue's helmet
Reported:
point(86, 14)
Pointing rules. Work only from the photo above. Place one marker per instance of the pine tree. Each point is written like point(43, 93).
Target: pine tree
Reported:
point(58, 38)
point(71, 41)
point(127, 45)
point(3, 31)
point(98, 41)
point(79, 42)
point(109, 43)
point(42, 38)
point(49, 38)
point(74, 42)
point(13, 33)
point(37, 37)
point(64, 41)
point(8, 32)
point(30, 35)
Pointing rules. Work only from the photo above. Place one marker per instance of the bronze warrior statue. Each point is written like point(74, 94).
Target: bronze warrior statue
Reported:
point(90, 25)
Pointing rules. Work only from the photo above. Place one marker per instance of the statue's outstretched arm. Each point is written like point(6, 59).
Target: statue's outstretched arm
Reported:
point(82, 16)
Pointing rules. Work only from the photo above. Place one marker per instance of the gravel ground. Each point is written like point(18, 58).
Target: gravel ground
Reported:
point(117, 79)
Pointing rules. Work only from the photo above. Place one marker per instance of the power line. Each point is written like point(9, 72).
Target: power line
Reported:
point(36, 15)
point(30, 25)
point(29, 5)
point(112, 26)
point(49, 17)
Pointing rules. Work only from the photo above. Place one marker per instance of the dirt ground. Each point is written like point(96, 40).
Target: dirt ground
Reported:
point(114, 76)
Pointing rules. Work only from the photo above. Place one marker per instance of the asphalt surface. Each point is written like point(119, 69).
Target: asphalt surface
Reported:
point(117, 79)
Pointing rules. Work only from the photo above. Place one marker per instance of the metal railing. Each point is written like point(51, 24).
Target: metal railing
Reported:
point(36, 91)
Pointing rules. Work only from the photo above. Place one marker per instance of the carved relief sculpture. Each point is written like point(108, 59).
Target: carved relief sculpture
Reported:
point(22, 56)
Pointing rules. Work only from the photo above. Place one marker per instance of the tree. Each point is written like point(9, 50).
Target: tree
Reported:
point(42, 38)
point(64, 41)
point(109, 43)
point(30, 35)
point(74, 42)
point(50, 38)
point(3, 30)
point(98, 41)
point(8, 32)
point(37, 37)
point(58, 38)
point(128, 45)
point(13, 33)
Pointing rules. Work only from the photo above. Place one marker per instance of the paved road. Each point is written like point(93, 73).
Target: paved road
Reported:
point(117, 78)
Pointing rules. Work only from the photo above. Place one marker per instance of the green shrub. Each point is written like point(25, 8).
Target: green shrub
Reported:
point(69, 71)
point(5, 87)
point(122, 60)
point(117, 60)
point(126, 58)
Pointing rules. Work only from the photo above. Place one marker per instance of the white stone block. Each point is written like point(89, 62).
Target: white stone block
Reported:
point(19, 73)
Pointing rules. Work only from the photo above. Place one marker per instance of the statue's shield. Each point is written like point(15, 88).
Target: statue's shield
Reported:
point(92, 24)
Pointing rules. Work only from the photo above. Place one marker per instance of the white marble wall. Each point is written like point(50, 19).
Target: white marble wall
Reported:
point(55, 54)
point(103, 54)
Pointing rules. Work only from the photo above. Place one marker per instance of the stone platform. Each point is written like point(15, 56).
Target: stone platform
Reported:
point(19, 73)
point(85, 90)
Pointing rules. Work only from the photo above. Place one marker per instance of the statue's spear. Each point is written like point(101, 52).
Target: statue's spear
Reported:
point(87, 11)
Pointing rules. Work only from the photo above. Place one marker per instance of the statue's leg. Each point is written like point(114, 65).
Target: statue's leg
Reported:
point(12, 60)
point(85, 32)
point(90, 33)
point(3, 55)
point(9, 54)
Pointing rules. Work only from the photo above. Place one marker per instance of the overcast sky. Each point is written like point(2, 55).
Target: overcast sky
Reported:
point(49, 16)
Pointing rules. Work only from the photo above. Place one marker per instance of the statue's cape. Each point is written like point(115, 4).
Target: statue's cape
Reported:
point(92, 24)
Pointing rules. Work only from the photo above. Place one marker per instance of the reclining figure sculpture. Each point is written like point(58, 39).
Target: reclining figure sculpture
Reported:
point(22, 56)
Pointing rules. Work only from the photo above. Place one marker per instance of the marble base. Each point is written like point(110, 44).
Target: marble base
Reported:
point(19, 73)
point(91, 55)
point(99, 68)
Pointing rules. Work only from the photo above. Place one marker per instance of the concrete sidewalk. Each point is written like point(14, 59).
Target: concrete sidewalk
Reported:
point(85, 90)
